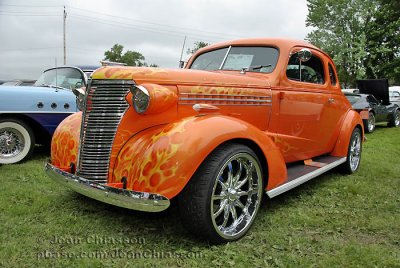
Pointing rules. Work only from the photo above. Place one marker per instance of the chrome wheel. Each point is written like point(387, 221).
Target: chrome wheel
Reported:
point(397, 119)
point(16, 141)
point(371, 123)
point(12, 142)
point(355, 151)
point(236, 195)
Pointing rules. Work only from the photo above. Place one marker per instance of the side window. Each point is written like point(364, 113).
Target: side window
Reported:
point(332, 76)
point(311, 71)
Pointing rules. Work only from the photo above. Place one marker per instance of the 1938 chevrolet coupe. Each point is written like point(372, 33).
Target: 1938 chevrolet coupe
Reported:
point(243, 118)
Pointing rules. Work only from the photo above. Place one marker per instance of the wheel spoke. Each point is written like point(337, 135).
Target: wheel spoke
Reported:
point(239, 204)
point(236, 178)
point(233, 213)
point(218, 197)
point(229, 180)
point(221, 208)
point(223, 185)
point(226, 215)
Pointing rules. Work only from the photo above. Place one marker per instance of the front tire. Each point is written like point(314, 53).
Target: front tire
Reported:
point(395, 120)
point(16, 141)
point(221, 200)
point(353, 152)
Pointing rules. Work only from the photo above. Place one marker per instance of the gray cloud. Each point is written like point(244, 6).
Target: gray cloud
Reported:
point(31, 32)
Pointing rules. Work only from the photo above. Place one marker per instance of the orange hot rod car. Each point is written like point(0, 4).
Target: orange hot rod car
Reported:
point(243, 118)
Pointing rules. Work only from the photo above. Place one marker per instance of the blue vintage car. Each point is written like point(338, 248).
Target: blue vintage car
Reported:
point(30, 115)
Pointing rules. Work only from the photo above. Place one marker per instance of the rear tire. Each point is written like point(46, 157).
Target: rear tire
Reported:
point(353, 152)
point(369, 124)
point(17, 141)
point(221, 200)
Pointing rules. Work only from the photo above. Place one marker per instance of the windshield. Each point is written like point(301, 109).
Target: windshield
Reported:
point(61, 77)
point(253, 59)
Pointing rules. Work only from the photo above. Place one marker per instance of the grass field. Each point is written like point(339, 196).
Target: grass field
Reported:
point(332, 221)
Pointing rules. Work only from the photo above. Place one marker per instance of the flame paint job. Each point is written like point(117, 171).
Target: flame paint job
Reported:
point(161, 98)
point(65, 142)
point(156, 160)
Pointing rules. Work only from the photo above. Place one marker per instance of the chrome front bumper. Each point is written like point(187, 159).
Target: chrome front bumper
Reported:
point(115, 196)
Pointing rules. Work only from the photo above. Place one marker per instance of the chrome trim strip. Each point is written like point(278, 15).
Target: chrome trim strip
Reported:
point(229, 104)
point(114, 196)
point(36, 112)
point(222, 99)
point(229, 95)
point(300, 180)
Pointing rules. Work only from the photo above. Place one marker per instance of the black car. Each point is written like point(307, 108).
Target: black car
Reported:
point(377, 111)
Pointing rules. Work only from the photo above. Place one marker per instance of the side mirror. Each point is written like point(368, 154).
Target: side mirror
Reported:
point(304, 54)
point(181, 64)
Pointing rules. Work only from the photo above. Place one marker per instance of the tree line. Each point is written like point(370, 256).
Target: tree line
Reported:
point(362, 37)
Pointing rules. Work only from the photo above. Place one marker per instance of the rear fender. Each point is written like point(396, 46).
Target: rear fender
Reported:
point(351, 121)
point(162, 159)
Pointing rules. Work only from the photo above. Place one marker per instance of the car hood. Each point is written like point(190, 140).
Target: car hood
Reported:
point(183, 77)
point(379, 88)
point(36, 99)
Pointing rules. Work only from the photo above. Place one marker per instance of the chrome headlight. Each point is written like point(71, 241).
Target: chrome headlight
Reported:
point(140, 99)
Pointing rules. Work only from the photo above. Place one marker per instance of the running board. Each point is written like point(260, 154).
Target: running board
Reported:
point(305, 173)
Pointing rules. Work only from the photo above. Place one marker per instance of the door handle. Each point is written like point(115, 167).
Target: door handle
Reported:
point(331, 100)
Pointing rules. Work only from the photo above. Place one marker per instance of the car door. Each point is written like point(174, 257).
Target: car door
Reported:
point(308, 109)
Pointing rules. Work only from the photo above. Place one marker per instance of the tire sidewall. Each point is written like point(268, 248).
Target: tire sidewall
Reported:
point(28, 140)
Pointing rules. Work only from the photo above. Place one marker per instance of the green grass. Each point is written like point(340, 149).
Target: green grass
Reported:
point(334, 220)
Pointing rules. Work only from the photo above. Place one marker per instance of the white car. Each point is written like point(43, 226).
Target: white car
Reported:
point(394, 95)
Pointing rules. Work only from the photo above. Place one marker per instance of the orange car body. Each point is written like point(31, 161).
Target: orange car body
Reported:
point(192, 112)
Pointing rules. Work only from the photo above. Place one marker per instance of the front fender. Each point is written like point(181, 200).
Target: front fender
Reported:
point(352, 120)
point(162, 159)
point(65, 141)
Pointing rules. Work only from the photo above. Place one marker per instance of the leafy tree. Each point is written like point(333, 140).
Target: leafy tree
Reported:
point(131, 58)
point(363, 37)
point(383, 46)
point(340, 31)
point(197, 46)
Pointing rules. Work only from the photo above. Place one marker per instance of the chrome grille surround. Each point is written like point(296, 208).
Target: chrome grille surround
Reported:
point(104, 107)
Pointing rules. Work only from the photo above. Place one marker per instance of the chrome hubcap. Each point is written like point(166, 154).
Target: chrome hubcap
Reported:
point(11, 142)
point(355, 152)
point(397, 119)
point(236, 195)
point(371, 123)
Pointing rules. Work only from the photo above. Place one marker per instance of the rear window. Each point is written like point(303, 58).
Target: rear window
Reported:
point(353, 98)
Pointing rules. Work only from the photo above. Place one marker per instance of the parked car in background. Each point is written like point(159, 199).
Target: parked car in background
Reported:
point(378, 103)
point(243, 118)
point(394, 95)
point(375, 111)
point(349, 90)
point(30, 114)
point(19, 83)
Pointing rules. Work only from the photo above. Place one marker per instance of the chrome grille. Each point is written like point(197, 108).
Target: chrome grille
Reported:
point(105, 105)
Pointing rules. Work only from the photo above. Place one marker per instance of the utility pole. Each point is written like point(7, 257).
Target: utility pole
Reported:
point(181, 63)
point(65, 41)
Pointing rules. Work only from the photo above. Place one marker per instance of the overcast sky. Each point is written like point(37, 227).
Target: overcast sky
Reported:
point(31, 32)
